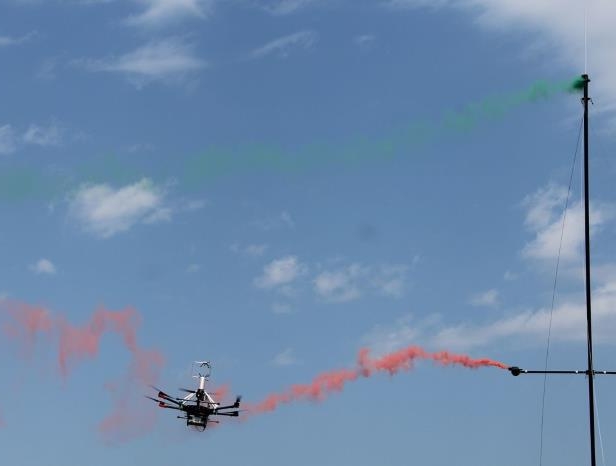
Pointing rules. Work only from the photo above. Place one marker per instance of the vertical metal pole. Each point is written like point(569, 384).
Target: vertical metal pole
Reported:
point(590, 373)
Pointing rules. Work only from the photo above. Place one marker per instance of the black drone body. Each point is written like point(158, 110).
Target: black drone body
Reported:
point(198, 405)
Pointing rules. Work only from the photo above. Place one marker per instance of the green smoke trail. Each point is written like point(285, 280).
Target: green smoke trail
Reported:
point(217, 163)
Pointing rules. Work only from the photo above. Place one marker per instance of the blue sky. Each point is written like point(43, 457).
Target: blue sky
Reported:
point(273, 185)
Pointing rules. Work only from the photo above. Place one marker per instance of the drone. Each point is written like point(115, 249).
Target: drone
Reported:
point(198, 405)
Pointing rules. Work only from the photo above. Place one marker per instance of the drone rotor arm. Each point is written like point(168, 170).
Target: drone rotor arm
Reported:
point(229, 413)
point(234, 405)
point(163, 404)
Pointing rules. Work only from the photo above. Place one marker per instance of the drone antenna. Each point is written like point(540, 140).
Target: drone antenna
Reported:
point(202, 368)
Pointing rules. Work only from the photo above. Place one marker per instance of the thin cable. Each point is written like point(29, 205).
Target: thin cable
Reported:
point(560, 245)
point(599, 425)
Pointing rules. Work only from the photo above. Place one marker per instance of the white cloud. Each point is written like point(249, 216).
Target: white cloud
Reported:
point(387, 338)
point(560, 23)
point(43, 266)
point(193, 268)
point(161, 214)
point(195, 204)
point(527, 327)
point(105, 211)
point(283, 46)
point(285, 7)
point(47, 69)
point(543, 205)
point(254, 250)
point(169, 60)
point(350, 282)
point(44, 135)
point(364, 41)
point(284, 220)
point(545, 219)
point(161, 12)
point(409, 4)
point(282, 308)
point(340, 285)
point(487, 298)
point(7, 140)
point(280, 272)
point(568, 324)
point(391, 280)
point(285, 358)
point(7, 41)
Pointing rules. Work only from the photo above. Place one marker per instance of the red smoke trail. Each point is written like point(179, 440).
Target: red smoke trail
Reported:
point(334, 381)
point(28, 322)
point(79, 342)
point(75, 343)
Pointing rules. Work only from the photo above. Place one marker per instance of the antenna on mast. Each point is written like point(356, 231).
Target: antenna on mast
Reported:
point(582, 83)
point(202, 369)
point(586, 37)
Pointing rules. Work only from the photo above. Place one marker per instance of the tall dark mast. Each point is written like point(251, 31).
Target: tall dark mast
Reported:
point(590, 371)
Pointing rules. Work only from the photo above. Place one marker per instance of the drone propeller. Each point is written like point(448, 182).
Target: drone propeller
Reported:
point(186, 390)
point(165, 396)
point(234, 405)
point(162, 404)
point(160, 392)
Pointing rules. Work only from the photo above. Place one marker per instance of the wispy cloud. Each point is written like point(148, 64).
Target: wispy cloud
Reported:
point(544, 218)
point(489, 298)
point(351, 282)
point(384, 338)
point(280, 272)
point(528, 327)
point(283, 220)
point(340, 285)
point(193, 268)
point(253, 250)
point(283, 46)
point(159, 13)
point(47, 70)
point(7, 140)
point(7, 41)
point(556, 26)
point(50, 135)
point(409, 4)
point(43, 266)
point(391, 280)
point(169, 60)
point(568, 323)
point(285, 358)
point(364, 41)
point(285, 7)
point(282, 308)
point(105, 211)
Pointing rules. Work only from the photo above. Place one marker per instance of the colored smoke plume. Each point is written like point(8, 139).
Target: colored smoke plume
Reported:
point(79, 342)
point(221, 393)
point(391, 363)
point(26, 323)
point(215, 162)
